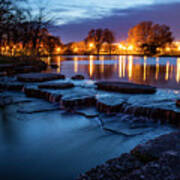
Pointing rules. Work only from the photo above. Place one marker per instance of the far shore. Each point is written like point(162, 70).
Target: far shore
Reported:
point(12, 59)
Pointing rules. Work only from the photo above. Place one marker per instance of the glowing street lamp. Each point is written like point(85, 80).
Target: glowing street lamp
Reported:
point(58, 49)
point(130, 48)
point(120, 46)
point(91, 45)
point(168, 49)
point(76, 49)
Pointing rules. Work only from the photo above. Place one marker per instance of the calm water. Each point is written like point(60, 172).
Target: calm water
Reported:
point(161, 72)
point(59, 145)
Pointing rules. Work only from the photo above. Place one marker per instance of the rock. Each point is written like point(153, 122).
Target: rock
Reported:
point(153, 149)
point(77, 99)
point(155, 160)
point(5, 67)
point(3, 74)
point(166, 168)
point(11, 86)
point(178, 103)
point(42, 94)
point(36, 93)
point(78, 77)
point(109, 104)
point(37, 107)
point(128, 88)
point(62, 85)
point(26, 69)
point(39, 77)
point(89, 112)
point(113, 169)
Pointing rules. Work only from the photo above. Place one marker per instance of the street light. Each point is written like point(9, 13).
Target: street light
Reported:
point(91, 45)
point(58, 49)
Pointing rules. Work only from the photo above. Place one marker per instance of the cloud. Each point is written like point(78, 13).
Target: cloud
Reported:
point(120, 20)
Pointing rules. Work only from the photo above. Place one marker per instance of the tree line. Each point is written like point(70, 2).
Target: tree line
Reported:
point(20, 27)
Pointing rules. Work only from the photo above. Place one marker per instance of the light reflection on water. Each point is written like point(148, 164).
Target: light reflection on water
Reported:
point(161, 72)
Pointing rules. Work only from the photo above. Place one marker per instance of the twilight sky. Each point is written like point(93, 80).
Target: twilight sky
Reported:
point(74, 18)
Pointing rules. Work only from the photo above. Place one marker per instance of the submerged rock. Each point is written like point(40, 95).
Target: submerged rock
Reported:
point(62, 85)
point(39, 77)
point(128, 88)
point(78, 77)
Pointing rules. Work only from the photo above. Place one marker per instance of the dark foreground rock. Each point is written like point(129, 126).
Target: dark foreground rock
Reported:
point(5, 67)
point(22, 65)
point(63, 85)
point(178, 103)
point(11, 86)
point(39, 77)
point(78, 77)
point(158, 159)
point(123, 87)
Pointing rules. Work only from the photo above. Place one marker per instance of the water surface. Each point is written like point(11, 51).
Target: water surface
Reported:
point(161, 72)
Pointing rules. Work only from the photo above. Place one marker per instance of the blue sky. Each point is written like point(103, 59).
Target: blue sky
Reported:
point(77, 16)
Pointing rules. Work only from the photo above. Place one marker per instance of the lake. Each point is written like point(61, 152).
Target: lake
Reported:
point(40, 144)
point(163, 72)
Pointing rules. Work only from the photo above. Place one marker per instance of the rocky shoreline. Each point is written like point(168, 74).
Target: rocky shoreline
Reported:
point(158, 159)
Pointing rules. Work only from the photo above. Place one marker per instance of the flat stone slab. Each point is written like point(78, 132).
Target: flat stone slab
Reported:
point(39, 77)
point(77, 99)
point(89, 112)
point(36, 107)
point(62, 85)
point(109, 104)
point(127, 88)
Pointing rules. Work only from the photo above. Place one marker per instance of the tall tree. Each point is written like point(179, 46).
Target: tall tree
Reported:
point(109, 38)
point(149, 36)
point(95, 36)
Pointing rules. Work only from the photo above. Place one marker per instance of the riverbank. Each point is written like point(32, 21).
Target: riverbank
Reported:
point(154, 160)
point(22, 64)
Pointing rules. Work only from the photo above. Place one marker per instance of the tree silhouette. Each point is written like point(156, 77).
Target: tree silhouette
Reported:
point(109, 38)
point(149, 36)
